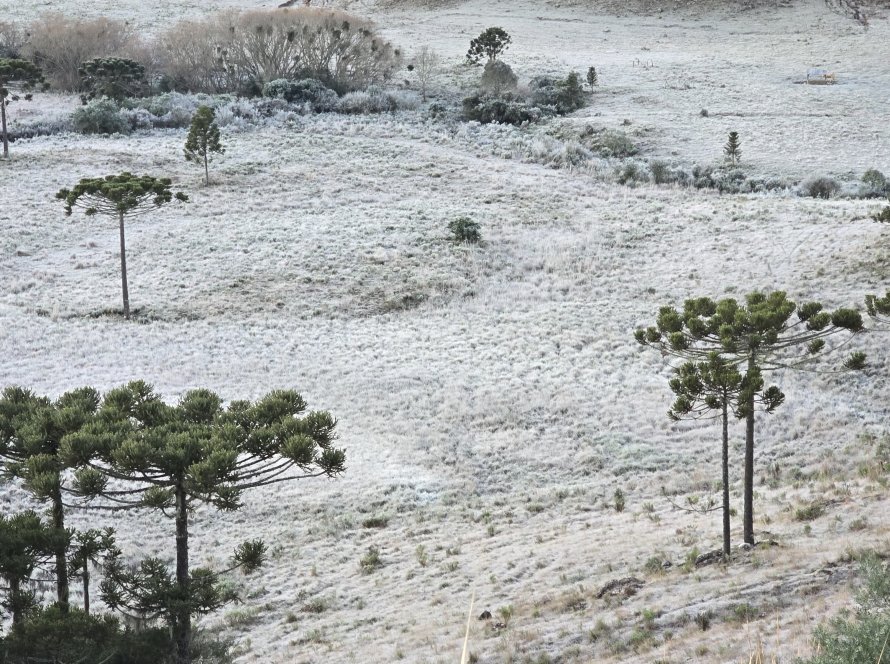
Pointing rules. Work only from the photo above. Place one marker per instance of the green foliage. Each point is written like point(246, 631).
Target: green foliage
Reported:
point(618, 499)
point(203, 139)
point(592, 77)
point(101, 116)
point(733, 148)
point(490, 44)
point(115, 78)
point(878, 306)
point(809, 512)
point(371, 561)
point(304, 91)
point(503, 110)
point(125, 194)
point(562, 95)
point(882, 215)
point(25, 543)
point(875, 184)
point(22, 74)
point(862, 635)
point(464, 229)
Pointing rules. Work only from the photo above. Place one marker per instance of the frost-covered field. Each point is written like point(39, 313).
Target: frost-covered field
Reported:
point(491, 399)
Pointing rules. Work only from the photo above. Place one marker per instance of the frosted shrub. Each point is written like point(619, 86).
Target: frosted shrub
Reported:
point(375, 100)
point(498, 77)
point(563, 95)
point(316, 94)
point(502, 110)
point(608, 142)
point(874, 184)
point(100, 117)
point(820, 187)
point(464, 229)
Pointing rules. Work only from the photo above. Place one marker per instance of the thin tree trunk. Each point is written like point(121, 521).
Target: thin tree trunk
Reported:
point(126, 292)
point(15, 596)
point(726, 532)
point(61, 552)
point(183, 617)
point(5, 136)
point(748, 518)
point(86, 586)
point(206, 169)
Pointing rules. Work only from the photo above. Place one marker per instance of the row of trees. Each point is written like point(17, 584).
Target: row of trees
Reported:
point(132, 450)
point(728, 346)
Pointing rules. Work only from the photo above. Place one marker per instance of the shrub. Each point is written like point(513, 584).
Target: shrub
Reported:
point(315, 94)
point(503, 110)
point(874, 184)
point(371, 561)
point(882, 215)
point(498, 77)
point(563, 95)
point(630, 173)
point(608, 142)
point(820, 187)
point(724, 180)
point(232, 51)
point(464, 229)
point(12, 40)
point(661, 172)
point(374, 100)
point(115, 78)
point(100, 117)
point(59, 45)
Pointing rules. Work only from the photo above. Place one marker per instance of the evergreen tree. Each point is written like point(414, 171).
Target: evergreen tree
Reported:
point(32, 429)
point(25, 543)
point(173, 458)
point(592, 77)
point(115, 78)
point(759, 335)
point(24, 75)
point(733, 148)
point(91, 547)
point(120, 196)
point(716, 384)
point(203, 138)
point(490, 44)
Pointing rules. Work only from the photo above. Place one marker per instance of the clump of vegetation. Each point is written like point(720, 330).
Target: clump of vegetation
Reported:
point(465, 230)
point(809, 512)
point(22, 74)
point(307, 91)
point(593, 78)
point(561, 95)
point(371, 561)
point(874, 184)
point(502, 110)
point(498, 77)
point(101, 116)
point(820, 187)
point(115, 78)
point(608, 142)
point(618, 500)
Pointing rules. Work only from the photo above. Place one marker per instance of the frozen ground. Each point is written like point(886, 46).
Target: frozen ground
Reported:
point(492, 399)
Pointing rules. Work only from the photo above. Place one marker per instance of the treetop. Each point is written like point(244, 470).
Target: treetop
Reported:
point(124, 193)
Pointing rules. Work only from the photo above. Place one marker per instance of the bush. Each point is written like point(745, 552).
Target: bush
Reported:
point(498, 77)
point(563, 95)
point(725, 180)
point(229, 51)
point(608, 143)
point(503, 110)
point(464, 229)
point(316, 94)
point(59, 45)
point(115, 78)
point(12, 40)
point(100, 117)
point(630, 173)
point(820, 187)
point(874, 184)
point(374, 100)
point(862, 635)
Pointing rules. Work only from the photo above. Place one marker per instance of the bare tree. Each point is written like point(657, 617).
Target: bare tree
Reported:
point(426, 64)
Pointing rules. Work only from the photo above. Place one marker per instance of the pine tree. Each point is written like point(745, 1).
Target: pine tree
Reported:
point(203, 138)
point(759, 335)
point(174, 458)
point(733, 149)
point(490, 44)
point(592, 77)
point(25, 543)
point(120, 196)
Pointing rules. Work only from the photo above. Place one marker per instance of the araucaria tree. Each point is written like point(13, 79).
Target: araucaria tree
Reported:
point(203, 138)
point(22, 74)
point(717, 385)
point(490, 44)
point(32, 429)
point(733, 148)
point(759, 335)
point(115, 78)
point(175, 457)
point(25, 542)
point(121, 196)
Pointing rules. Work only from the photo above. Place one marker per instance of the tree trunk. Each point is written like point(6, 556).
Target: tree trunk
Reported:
point(5, 137)
point(126, 292)
point(61, 552)
point(748, 518)
point(183, 618)
point(726, 533)
point(86, 586)
point(15, 600)
point(206, 169)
